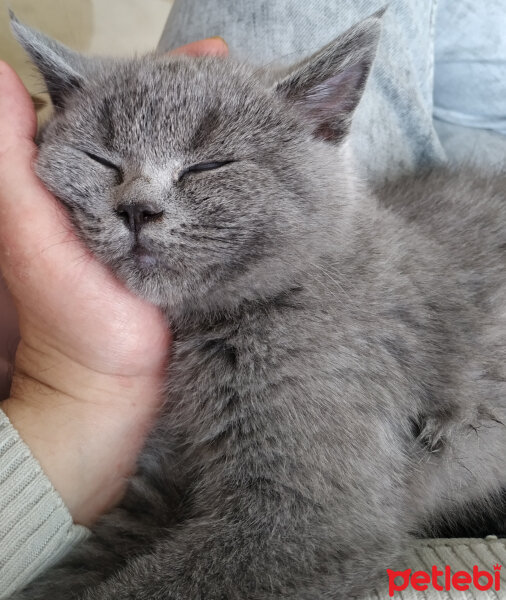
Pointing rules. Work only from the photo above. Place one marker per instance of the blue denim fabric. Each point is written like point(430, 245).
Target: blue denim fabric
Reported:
point(470, 80)
point(470, 55)
point(393, 130)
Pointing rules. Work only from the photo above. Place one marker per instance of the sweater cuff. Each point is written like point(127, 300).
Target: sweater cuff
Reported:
point(36, 528)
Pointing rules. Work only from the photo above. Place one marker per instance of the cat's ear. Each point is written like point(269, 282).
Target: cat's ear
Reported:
point(327, 86)
point(63, 69)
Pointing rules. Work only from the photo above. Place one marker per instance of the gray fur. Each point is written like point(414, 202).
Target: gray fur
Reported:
point(338, 374)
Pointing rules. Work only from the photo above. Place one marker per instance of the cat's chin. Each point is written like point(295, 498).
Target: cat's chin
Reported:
point(150, 289)
point(147, 277)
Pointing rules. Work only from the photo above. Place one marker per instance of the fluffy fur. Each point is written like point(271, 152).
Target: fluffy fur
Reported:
point(338, 379)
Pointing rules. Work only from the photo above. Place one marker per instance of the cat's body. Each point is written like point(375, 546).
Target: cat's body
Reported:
point(337, 381)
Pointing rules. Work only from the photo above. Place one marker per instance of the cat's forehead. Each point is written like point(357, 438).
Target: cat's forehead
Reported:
point(176, 103)
point(177, 82)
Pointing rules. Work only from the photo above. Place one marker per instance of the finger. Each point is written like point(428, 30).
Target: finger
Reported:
point(30, 218)
point(17, 115)
point(215, 46)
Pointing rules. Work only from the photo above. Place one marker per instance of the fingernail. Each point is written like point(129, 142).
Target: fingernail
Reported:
point(218, 37)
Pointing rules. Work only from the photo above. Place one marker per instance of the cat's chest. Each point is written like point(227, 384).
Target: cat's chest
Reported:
point(225, 370)
point(205, 364)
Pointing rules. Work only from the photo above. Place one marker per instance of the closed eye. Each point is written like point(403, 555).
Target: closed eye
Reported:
point(205, 166)
point(104, 162)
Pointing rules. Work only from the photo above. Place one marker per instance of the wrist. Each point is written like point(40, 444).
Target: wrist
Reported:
point(85, 428)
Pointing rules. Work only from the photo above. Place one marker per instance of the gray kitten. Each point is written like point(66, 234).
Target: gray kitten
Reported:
point(338, 374)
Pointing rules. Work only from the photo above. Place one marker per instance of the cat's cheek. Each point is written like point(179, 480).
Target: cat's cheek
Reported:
point(74, 181)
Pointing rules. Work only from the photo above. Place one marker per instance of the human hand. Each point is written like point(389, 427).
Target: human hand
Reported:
point(90, 362)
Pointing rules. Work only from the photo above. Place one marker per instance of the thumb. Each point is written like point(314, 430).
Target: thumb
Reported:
point(17, 116)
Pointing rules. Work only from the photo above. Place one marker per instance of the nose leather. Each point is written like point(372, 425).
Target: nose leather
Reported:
point(137, 214)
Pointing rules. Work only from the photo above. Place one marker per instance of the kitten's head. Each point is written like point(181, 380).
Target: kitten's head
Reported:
point(200, 181)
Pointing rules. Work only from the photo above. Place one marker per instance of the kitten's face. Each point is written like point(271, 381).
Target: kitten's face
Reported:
point(179, 174)
point(198, 182)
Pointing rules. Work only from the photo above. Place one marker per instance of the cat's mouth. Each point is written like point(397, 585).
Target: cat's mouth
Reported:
point(144, 257)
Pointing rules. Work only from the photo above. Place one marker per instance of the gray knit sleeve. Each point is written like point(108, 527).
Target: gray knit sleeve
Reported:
point(36, 529)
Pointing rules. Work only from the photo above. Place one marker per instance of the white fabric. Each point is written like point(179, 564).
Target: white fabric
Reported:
point(459, 555)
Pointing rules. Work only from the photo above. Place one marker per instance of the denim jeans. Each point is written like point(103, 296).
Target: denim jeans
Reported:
point(393, 130)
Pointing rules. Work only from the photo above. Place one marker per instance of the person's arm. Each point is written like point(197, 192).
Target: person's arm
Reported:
point(88, 370)
point(36, 527)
